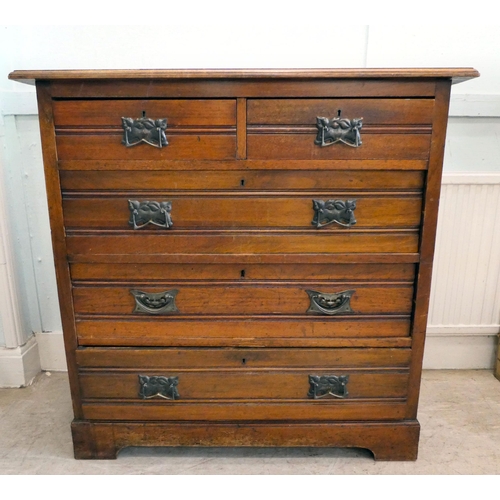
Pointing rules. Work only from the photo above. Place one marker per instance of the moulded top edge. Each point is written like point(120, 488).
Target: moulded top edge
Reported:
point(455, 74)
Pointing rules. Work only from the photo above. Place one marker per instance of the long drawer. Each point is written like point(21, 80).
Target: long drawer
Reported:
point(243, 384)
point(145, 129)
point(240, 211)
point(242, 271)
point(188, 242)
point(279, 331)
point(215, 179)
point(232, 299)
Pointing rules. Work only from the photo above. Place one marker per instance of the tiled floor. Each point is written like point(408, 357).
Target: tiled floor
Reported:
point(459, 413)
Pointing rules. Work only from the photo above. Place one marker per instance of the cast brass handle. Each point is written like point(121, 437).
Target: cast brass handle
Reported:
point(338, 211)
point(330, 303)
point(155, 303)
point(321, 386)
point(158, 386)
point(146, 130)
point(156, 213)
point(338, 130)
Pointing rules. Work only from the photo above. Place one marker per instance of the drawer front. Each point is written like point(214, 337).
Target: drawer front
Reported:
point(208, 211)
point(178, 384)
point(145, 129)
point(202, 385)
point(217, 146)
point(390, 331)
point(352, 129)
point(274, 144)
point(156, 244)
point(241, 180)
point(373, 111)
point(244, 299)
point(178, 112)
point(242, 272)
point(246, 359)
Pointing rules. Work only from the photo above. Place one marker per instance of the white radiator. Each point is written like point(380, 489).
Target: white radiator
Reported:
point(464, 314)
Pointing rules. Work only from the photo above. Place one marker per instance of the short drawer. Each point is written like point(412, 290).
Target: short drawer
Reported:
point(145, 129)
point(289, 384)
point(336, 211)
point(312, 299)
point(344, 129)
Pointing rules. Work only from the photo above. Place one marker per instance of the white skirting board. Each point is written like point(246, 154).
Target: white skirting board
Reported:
point(52, 355)
point(19, 365)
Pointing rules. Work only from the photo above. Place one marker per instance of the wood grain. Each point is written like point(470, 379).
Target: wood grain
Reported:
point(217, 359)
point(388, 331)
point(253, 180)
point(373, 111)
point(218, 385)
point(169, 272)
point(108, 113)
point(244, 299)
point(374, 147)
point(330, 166)
point(190, 242)
point(279, 74)
point(233, 212)
point(386, 440)
point(217, 411)
point(109, 147)
point(234, 88)
point(49, 152)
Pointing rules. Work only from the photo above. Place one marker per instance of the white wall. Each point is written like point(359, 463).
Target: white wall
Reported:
point(473, 143)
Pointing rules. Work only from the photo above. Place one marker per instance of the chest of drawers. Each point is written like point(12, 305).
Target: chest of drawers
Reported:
point(244, 257)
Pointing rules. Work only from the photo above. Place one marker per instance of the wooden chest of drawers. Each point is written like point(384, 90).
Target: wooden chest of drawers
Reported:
point(244, 257)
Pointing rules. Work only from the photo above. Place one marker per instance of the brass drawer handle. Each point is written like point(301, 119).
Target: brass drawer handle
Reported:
point(330, 303)
point(158, 386)
point(338, 130)
point(321, 386)
point(329, 211)
point(146, 130)
point(155, 303)
point(156, 213)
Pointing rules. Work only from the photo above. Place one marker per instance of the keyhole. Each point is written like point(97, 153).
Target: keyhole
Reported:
point(143, 114)
point(244, 361)
point(339, 112)
point(242, 273)
point(242, 182)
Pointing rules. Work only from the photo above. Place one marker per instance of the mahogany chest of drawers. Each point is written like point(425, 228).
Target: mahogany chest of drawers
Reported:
point(244, 257)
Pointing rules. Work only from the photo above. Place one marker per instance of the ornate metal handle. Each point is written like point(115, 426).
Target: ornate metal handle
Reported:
point(329, 211)
point(322, 386)
point(338, 130)
point(146, 130)
point(155, 303)
point(143, 213)
point(330, 303)
point(158, 386)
